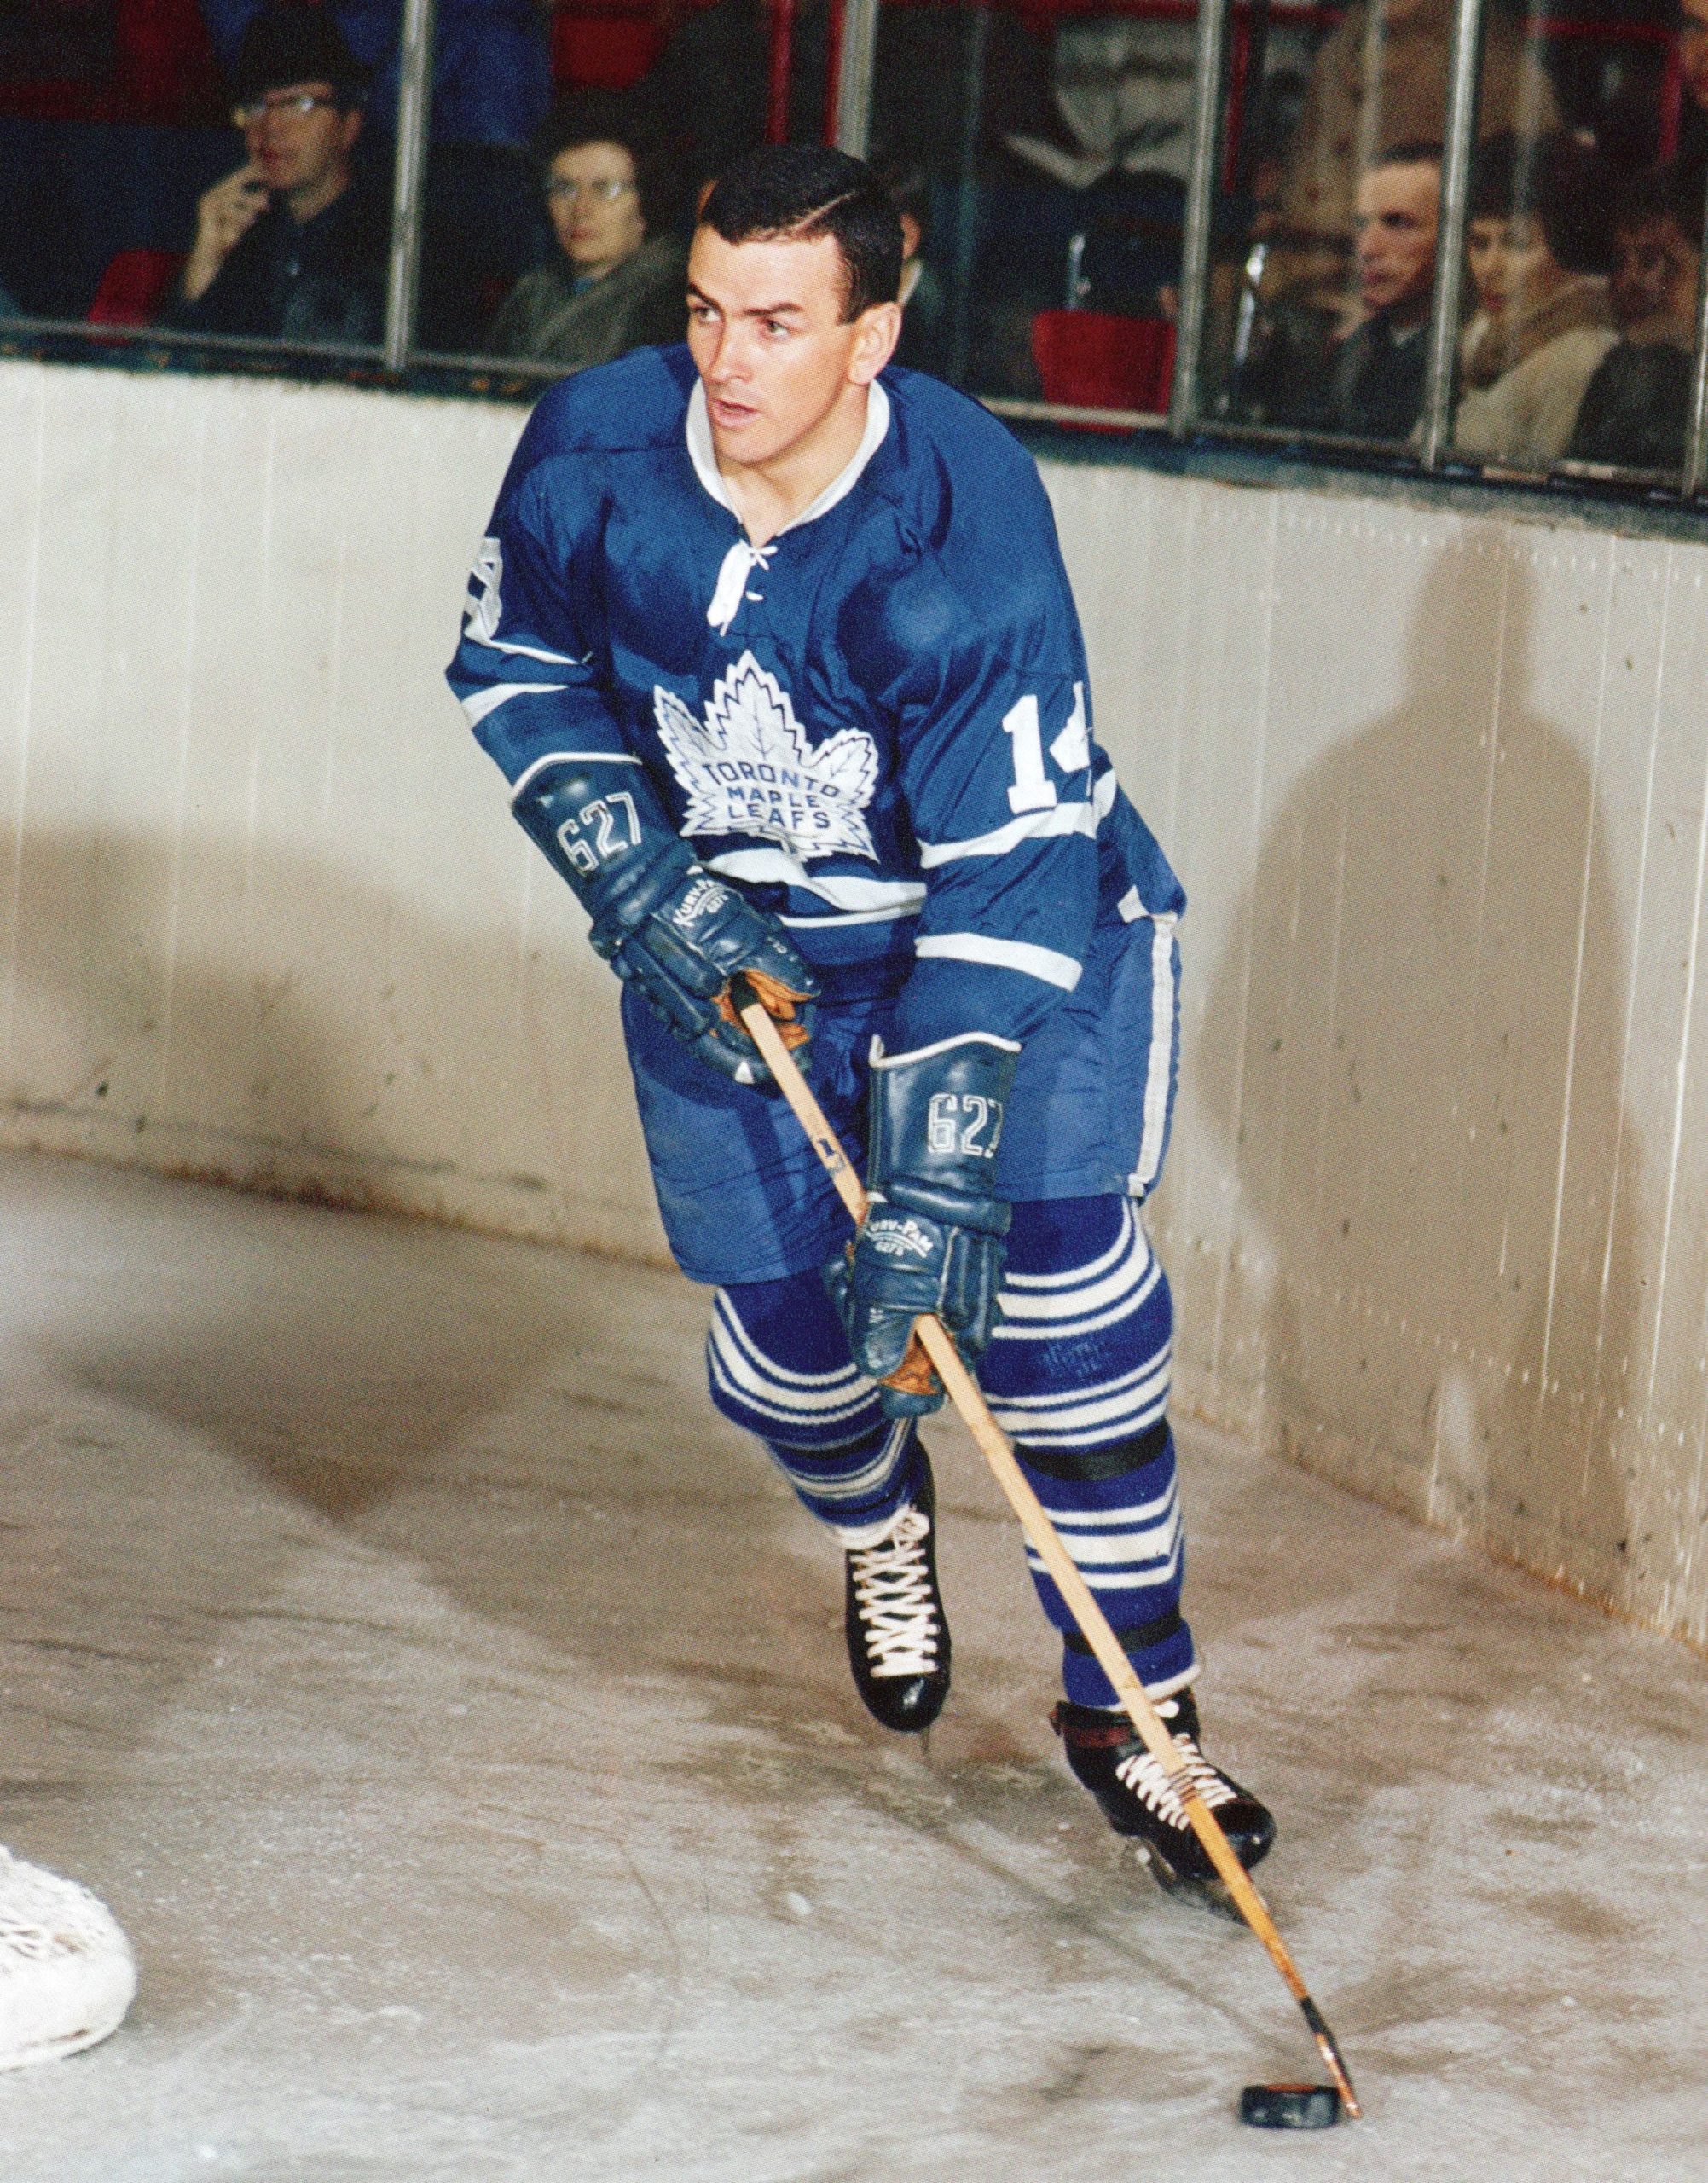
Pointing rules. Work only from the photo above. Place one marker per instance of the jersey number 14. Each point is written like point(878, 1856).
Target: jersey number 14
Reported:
point(1034, 789)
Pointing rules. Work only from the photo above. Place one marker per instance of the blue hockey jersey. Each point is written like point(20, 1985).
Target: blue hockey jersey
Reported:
point(878, 725)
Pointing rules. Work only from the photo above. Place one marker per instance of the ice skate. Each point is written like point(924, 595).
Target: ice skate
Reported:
point(897, 1632)
point(1138, 1798)
point(66, 1974)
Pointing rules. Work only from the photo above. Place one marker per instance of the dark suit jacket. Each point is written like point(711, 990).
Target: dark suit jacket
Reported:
point(323, 281)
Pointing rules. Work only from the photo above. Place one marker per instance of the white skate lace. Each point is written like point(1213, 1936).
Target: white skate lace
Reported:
point(1162, 1791)
point(892, 1590)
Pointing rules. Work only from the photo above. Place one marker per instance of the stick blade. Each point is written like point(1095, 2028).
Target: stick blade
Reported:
point(1290, 2106)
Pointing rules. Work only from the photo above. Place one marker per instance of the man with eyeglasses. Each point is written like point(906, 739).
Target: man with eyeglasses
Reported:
point(286, 248)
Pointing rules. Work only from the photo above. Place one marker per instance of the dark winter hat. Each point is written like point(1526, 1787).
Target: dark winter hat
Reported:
point(290, 43)
point(1561, 184)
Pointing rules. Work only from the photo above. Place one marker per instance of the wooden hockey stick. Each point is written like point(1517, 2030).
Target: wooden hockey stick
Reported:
point(993, 1444)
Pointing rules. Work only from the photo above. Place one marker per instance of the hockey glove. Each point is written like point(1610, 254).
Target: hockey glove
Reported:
point(660, 921)
point(933, 1238)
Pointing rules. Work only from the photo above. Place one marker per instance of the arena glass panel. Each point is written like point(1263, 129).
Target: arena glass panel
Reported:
point(559, 239)
point(152, 188)
point(1583, 249)
point(1040, 155)
point(1324, 238)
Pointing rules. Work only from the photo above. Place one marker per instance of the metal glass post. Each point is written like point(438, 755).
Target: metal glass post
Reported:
point(782, 71)
point(967, 193)
point(1696, 444)
point(408, 180)
point(856, 65)
point(1201, 209)
point(1464, 74)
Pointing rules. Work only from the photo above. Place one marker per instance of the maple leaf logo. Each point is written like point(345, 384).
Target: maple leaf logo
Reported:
point(750, 768)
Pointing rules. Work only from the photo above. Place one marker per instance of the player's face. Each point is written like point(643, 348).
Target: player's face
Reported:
point(768, 335)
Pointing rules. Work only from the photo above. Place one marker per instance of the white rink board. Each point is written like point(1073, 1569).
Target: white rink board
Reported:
point(1437, 785)
point(267, 914)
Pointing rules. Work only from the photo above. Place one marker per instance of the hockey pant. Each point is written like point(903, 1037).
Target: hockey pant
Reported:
point(1077, 1376)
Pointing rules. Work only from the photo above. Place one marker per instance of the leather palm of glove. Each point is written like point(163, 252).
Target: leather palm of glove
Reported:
point(667, 926)
point(932, 1239)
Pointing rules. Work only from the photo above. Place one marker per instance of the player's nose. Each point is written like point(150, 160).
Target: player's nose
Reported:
point(733, 363)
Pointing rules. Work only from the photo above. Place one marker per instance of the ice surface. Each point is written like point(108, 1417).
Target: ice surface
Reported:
point(453, 1711)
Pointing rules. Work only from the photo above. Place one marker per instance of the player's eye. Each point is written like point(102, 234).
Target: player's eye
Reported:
point(775, 326)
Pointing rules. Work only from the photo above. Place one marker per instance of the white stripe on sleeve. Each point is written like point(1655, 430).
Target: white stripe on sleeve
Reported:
point(499, 693)
point(522, 652)
point(1059, 819)
point(1042, 963)
point(572, 758)
point(1159, 1068)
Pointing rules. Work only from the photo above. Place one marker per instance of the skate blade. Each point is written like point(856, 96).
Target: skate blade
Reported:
point(1204, 1894)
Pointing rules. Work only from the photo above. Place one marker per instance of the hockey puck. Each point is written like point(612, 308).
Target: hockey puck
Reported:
point(1290, 2106)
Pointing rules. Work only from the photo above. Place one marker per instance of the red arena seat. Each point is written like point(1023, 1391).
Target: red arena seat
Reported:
point(134, 286)
point(607, 46)
point(1092, 360)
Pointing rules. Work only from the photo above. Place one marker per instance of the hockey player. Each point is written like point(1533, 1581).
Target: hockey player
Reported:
point(777, 650)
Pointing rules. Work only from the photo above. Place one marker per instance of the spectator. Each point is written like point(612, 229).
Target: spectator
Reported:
point(1636, 409)
point(1537, 243)
point(284, 249)
point(1379, 372)
point(617, 277)
point(492, 67)
point(1379, 80)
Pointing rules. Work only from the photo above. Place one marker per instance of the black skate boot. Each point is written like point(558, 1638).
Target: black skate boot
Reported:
point(1104, 1750)
point(898, 1634)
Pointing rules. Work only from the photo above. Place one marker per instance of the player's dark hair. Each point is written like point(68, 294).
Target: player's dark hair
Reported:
point(796, 192)
point(1561, 185)
point(290, 43)
point(596, 117)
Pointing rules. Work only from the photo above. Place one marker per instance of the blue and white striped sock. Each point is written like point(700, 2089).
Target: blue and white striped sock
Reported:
point(778, 1363)
point(1079, 1376)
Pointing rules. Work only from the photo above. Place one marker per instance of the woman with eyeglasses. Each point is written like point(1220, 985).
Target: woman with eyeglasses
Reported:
point(617, 275)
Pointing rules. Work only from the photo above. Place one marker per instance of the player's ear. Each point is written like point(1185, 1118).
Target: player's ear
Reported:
point(876, 331)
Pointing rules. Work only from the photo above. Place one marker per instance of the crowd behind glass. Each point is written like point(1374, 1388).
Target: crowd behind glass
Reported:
point(225, 168)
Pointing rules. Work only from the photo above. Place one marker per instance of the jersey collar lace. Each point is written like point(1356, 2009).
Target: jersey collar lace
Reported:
point(742, 557)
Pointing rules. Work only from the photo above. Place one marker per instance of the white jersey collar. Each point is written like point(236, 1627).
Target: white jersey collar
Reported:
point(702, 455)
